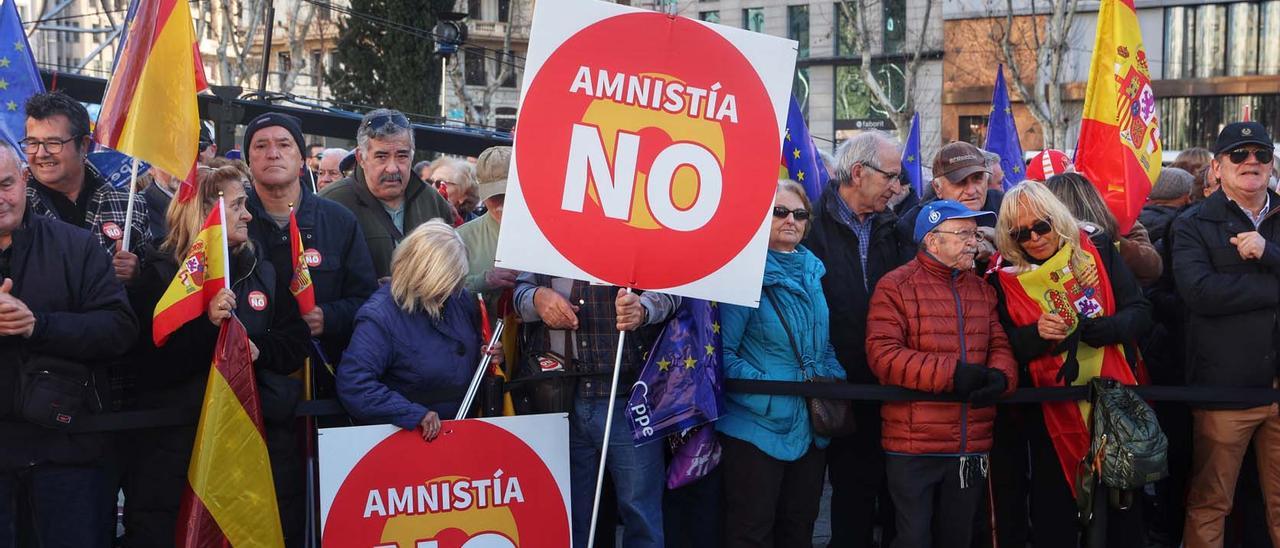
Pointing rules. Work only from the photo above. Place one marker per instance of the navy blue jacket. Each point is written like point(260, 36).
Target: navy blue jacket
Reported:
point(82, 314)
point(344, 277)
point(401, 365)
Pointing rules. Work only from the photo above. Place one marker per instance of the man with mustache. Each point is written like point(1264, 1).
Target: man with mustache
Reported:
point(389, 200)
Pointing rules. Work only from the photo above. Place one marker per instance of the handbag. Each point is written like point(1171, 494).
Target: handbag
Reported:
point(828, 417)
point(55, 392)
point(1128, 449)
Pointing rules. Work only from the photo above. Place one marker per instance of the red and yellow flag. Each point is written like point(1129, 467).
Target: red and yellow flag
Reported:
point(300, 283)
point(200, 275)
point(149, 111)
point(1119, 148)
point(230, 499)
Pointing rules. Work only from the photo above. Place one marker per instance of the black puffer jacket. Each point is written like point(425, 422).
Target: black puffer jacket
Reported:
point(1232, 304)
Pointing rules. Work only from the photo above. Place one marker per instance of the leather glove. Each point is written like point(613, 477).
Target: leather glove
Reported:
point(1098, 332)
point(967, 379)
point(995, 385)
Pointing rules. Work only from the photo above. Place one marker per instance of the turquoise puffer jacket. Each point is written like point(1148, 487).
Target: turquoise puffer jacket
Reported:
point(756, 347)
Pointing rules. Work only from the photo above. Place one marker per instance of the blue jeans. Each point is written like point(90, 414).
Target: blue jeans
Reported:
point(63, 502)
point(638, 473)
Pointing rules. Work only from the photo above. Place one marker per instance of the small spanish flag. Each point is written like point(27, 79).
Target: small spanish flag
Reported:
point(300, 284)
point(200, 275)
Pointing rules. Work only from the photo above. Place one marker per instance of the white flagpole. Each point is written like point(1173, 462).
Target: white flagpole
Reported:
point(226, 250)
point(128, 210)
point(470, 396)
point(608, 425)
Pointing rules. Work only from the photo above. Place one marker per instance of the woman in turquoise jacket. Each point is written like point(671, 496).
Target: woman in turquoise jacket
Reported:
point(772, 462)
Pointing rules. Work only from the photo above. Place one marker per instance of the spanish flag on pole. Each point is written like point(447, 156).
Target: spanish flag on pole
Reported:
point(1119, 146)
point(230, 499)
point(200, 275)
point(149, 111)
point(300, 284)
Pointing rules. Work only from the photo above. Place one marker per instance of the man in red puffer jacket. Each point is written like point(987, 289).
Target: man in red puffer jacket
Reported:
point(933, 327)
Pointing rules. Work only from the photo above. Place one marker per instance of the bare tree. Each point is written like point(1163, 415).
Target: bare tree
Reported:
point(234, 38)
point(499, 67)
point(298, 33)
point(899, 113)
point(1049, 46)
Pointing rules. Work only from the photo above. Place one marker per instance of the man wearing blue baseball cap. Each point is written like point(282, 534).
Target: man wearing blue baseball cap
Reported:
point(933, 327)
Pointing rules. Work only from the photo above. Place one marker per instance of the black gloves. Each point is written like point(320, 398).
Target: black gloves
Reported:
point(967, 379)
point(995, 385)
point(1099, 332)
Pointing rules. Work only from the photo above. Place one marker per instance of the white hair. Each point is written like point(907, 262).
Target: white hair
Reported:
point(861, 149)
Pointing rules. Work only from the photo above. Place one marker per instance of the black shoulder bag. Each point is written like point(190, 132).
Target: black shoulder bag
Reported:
point(828, 417)
point(55, 392)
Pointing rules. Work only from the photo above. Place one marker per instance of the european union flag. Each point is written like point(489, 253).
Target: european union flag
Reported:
point(19, 78)
point(911, 158)
point(679, 386)
point(800, 157)
point(1002, 135)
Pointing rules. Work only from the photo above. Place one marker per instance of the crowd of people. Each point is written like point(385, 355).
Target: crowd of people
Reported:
point(867, 283)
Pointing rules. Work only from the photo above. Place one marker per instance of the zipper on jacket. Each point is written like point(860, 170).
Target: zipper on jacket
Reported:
point(964, 357)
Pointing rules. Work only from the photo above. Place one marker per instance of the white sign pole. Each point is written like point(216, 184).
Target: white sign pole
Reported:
point(470, 396)
point(604, 449)
point(128, 210)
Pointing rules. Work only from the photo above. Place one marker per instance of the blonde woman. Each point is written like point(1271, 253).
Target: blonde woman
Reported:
point(417, 340)
point(1072, 310)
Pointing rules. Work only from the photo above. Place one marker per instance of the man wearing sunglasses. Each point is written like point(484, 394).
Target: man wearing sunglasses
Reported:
point(962, 174)
point(1226, 263)
point(387, 198)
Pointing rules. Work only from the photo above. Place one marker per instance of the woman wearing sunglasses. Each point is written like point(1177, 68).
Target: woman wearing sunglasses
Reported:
point(773, 463)
point(1071, 309)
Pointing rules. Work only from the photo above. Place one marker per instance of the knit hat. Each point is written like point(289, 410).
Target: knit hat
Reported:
point(1047, 164)
point(491, 171)
point(1173, 183)
point(268, 119)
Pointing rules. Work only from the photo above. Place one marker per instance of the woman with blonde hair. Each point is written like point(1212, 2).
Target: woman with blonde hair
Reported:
point(1072, 310)
point(175, 375)
point(417, 340)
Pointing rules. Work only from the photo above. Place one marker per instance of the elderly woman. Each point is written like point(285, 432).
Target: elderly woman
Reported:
point(417, 340)
point(773, 463)
point(1072, 310)
point(1085, 204)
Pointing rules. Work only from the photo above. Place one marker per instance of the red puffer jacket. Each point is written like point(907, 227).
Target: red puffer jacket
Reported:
point(914, 338)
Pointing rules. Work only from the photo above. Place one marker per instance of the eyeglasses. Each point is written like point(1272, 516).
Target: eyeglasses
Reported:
point(799, 214)
point(439, 182)
point(966, 235)
point(52, 146)
point(1240, 156)
point(1022, 235)
point(897, 177)
point(378, 123)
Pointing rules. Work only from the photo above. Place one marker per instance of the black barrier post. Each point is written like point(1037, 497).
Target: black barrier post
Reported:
point(266, 48)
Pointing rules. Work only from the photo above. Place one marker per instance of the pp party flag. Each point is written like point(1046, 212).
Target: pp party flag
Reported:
point(200, 275)
point(800, 157)
point(19, 78)
point(149, 111)
point(1002, 135)
point(911, 158)
point(230, 499)
point(300, 283)
point(680, 385)
point(1119, 146)
point(115, 167)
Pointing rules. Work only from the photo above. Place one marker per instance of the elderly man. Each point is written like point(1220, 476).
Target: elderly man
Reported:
point(386, 197)
point(481, 234)
point(63, 185)
point(1226, 262)
point(996, 182)
point(853, 235)
point(329, 171)
point(938, 450)
point(61, 314)
point(961, 173)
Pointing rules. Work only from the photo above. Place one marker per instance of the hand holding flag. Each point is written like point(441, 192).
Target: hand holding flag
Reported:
point(201, 274)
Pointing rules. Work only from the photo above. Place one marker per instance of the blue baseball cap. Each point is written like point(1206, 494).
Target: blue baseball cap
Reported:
point(937, 212)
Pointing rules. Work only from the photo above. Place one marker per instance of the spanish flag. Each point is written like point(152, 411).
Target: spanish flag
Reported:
point(149, 111)
point(200, 275)
point(1119, 147)
point(230, 499)
point(300, 284)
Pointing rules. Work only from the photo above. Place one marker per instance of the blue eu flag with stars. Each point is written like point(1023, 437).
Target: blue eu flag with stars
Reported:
point(1002, 135)
point(800, 157)
point(911, 158)
point(19, 78)
point(679, 386)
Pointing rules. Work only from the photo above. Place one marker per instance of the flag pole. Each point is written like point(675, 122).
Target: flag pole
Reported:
point(226, 250)
point(604, 449)
point(470, 396)
point(128, 210)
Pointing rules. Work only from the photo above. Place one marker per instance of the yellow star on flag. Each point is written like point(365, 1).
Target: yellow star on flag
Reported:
point(711, 350)
point(4, 62)
point(796, 153)
point(788, 134)
point(911, 158)
point(664, 364)
point(690, 362)
point(715, 327)
point(19, 46)
point(800, 176)
point(12, 106)
point(1008, 110)
point(3, 84)
point(1017, 169)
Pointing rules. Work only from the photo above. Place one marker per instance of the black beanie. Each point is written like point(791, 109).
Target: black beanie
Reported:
point(273, 119)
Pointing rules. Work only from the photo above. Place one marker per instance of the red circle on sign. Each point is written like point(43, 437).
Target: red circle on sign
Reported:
point(112, 230)
point(639, 249)
point(369, 508)
point(258, 300)
point(312, 257)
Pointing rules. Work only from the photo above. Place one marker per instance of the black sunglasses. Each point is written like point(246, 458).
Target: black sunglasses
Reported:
point(1022, 235)
point(1240, 156)
point(782, 212)
point(377, 123)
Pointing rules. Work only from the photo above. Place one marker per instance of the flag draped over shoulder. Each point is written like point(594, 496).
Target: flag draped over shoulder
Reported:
point(911, 158)
point(200, 275)
point(799, 156)
point(18, 73)
point(300, 282)
point(230, 499)
point(1119, 146)
point(149, 111)
point(679, 386)
point(1002, 135)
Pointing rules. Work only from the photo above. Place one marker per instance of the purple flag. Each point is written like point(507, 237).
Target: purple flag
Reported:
point(679, 387)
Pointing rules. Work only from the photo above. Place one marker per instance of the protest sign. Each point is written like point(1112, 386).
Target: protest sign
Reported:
point(646, 151)
point(500, 482)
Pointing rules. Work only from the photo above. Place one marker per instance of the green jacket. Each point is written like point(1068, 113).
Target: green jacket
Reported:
point(421, 204)
point(481, 236)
